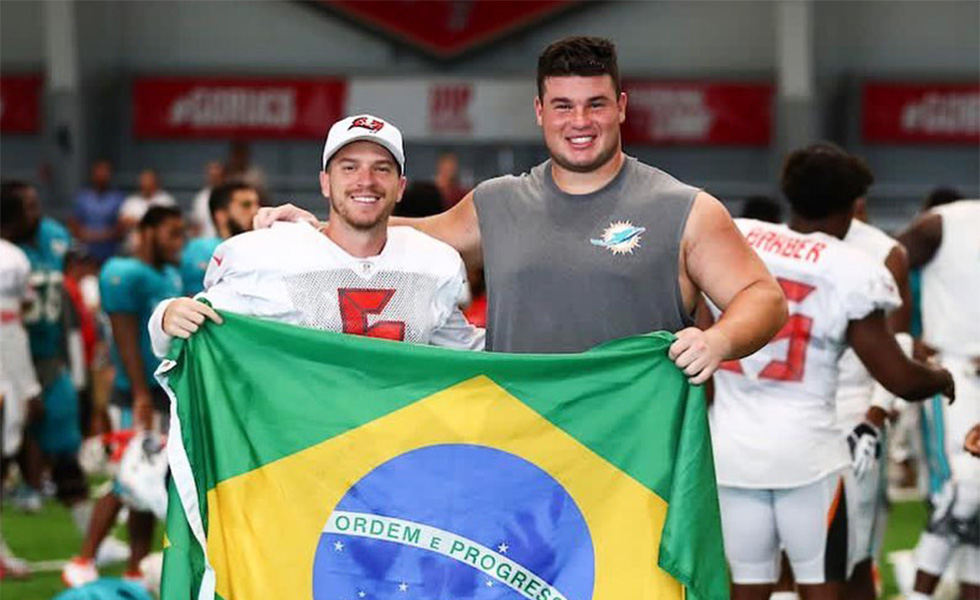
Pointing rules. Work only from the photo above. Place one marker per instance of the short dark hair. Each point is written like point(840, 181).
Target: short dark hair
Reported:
point(12, 200)
point(942, 195)
point(762, 208)
point(578, 56)
point(823, 179)
point(221, 196)
point(421, 199)
point(156, 215)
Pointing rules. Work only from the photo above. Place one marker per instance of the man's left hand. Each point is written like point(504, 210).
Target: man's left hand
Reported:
point(699, 352)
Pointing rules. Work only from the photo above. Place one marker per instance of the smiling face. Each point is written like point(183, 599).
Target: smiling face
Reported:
point(363, 185)
point(580, 118)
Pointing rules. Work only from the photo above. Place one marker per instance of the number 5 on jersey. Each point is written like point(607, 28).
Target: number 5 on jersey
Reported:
point(797, 329)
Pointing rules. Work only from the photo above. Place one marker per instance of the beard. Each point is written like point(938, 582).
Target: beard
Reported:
point(234, 228)
point(161, 255)
point(30, 229)
point(362, 224)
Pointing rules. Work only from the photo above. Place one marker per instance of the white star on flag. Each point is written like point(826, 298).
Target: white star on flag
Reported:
point(361, 594)
point(338, 546)
point(502, 548)
point(489, 582)
point(403, 587)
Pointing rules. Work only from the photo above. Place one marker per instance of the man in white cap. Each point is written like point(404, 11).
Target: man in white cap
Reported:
point(353, 275)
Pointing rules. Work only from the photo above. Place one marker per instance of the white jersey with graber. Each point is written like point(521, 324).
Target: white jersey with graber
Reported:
point(951, 283)
point(294, 274)
point(855, 385)
point(773, 421)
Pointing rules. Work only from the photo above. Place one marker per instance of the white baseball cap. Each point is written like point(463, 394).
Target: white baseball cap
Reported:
point(364, 127)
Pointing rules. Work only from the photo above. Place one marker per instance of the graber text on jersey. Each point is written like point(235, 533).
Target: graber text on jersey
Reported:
point(790, 246)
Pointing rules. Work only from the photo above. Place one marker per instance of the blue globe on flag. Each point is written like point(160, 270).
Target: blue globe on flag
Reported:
point(454, 522)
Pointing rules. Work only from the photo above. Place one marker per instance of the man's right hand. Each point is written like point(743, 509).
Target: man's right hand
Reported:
point(949, 390)
point(184, 316)
point(286, 212)
point(922, 351)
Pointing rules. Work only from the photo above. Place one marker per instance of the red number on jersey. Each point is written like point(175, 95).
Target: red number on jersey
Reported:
point(797, 329)
point(357, 304)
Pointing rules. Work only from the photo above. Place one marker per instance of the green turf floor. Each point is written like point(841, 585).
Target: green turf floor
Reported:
point(47, 536)
point(50, 535)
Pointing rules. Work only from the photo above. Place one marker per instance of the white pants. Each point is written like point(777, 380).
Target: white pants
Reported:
point(809, 522)
point(866, 500)
point(953, 524)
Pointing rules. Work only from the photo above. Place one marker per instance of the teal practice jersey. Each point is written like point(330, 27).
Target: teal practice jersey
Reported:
point(194, 263)
point(128, 285)
point(45, 318)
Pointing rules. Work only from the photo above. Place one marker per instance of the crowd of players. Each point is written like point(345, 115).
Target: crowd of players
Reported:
point(798, 424)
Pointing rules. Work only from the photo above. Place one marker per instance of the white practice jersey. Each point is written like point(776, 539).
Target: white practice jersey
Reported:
point(951, 283)
point(855, 386)
point(294, 274)
point(773, 420)
point(18, 380)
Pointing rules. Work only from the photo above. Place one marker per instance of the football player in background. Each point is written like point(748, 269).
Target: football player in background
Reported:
point(19, 387)
point(130, 289)
point(232, 207)
point(780, 459)
point(863, 406)
point(54, 436)
point(944, 243)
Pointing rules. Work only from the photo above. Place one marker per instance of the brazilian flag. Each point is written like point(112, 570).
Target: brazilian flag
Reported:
point(315, 465)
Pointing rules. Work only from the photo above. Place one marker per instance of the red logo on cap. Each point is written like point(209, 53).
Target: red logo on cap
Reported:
point(372, 125)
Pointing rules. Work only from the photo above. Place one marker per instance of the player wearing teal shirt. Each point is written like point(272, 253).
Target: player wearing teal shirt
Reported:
point(45, 319)
point(56, 434)
point(131, 286)
point(130, 289)
point(194, 263)
point(233, 206)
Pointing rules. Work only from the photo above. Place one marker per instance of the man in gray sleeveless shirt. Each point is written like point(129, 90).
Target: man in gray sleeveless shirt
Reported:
point(593, 245)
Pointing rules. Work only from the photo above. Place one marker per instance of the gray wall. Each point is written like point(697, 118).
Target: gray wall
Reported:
point(679, 39)
point(929, 40)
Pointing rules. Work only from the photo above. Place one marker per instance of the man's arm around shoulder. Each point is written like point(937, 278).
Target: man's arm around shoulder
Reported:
point(459, 227)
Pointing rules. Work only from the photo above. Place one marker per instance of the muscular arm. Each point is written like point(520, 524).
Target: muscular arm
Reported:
point(922, 238)
point(459, 227)
point(897, 263)
point(719, 262)
point(877, 348)
point(716, 260)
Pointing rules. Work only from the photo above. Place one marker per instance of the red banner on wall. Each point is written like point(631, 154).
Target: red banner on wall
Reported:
point(20, 103)
point(738, 114)
point(221, 108)
point(915, 113)
point(448, 27)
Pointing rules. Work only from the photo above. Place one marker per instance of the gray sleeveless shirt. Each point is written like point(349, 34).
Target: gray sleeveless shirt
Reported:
point(567, 272)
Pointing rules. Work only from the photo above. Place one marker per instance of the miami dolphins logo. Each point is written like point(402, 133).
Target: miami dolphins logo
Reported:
point(620, 237)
